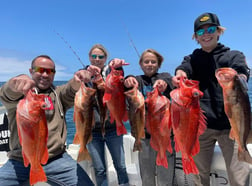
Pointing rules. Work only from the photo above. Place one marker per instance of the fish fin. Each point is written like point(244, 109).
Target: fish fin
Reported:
point(45, 157)
point(137, 146)
point(26, 160)
point(169, 148)
point(161, 160)
point(120, 129)
point(83, 155)
point(107, 97)
point(76, 139)
point(177, 149)
point(19, 135)
point(244, 156)
point(153, 144)
point(37, 175)
point(125, 117)
point(189, 165)
point(196, 148)
point(202, 123)
point(142, 134)
point(231, 134)
point(228, 110)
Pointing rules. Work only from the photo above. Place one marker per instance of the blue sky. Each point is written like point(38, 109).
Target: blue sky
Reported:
point(29, 28)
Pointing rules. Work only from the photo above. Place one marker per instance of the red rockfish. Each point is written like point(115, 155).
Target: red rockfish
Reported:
point(33, 134)
point(158, 125)
point(115, 99)
point(188, 122)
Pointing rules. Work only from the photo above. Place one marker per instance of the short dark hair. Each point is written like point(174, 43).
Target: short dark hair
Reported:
point(44, 56)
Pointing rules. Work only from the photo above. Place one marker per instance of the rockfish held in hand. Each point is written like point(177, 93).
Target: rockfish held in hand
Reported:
point(99, 86)
point(33, 134)
point(114, 98)
point(136, 113)
point(237, 108)
point(188, 122)
point(158, 125)
point(84, 119)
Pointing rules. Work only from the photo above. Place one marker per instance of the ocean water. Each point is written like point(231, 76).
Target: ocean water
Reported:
point(71, 125)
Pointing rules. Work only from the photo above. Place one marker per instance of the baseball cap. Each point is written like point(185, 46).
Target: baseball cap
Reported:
point(206, 18)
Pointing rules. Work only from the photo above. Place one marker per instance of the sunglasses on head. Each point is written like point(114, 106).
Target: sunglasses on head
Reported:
point(41, 70)
point(210, 30)
point(94, 56)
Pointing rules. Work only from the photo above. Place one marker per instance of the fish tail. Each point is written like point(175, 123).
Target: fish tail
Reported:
point(120, 129)
point(45, 157)
point(137, 146)
point(37, 175)
point(189, 165)
point(243, 155)
point(169, 148)
point(161, 160)
point(76, 139)
point(83, 155)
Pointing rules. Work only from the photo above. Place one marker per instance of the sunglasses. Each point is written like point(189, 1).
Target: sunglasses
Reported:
point(210, 30)
point(94, 56)
point(41, 70)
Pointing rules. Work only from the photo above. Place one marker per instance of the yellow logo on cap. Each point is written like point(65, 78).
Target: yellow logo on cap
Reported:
point(205, 18)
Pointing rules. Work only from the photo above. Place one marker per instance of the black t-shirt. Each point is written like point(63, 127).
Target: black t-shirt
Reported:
point(4, 133)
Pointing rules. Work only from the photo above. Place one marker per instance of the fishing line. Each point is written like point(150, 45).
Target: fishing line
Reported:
point(131, 40)
point(70, 48)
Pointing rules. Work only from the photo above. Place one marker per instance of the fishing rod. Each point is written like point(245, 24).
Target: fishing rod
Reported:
point(131, 40)
point(70, 48)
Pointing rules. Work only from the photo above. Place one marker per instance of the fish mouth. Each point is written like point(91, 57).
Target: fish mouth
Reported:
point(225, 74)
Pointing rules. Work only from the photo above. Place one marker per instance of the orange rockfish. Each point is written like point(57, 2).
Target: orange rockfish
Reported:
point(33, 134)
point(115, 99)
point(158, 125)
point(188, 122)
point(237, 109)
point(136, 115)
point(99, 86)
point(84, 119)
